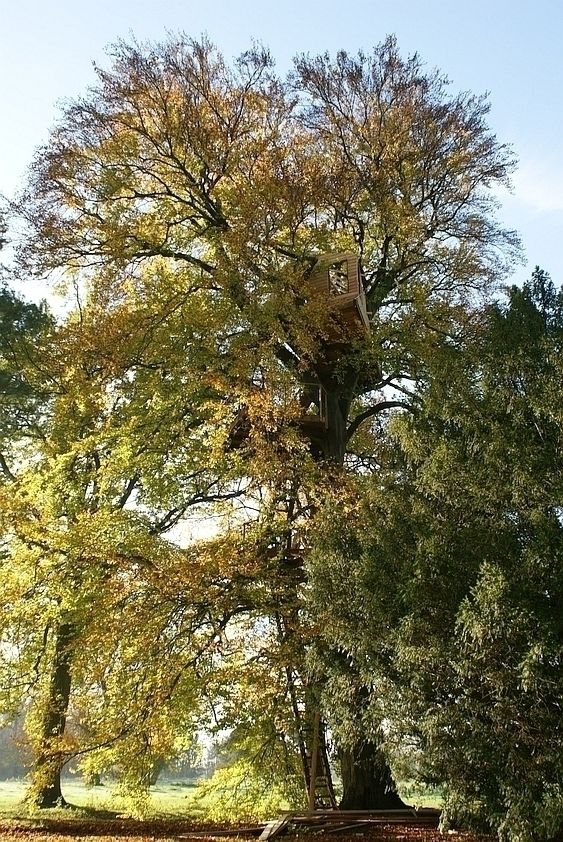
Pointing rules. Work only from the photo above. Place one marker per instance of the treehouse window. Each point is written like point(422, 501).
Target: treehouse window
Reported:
point(313, 403)
point(338, 278)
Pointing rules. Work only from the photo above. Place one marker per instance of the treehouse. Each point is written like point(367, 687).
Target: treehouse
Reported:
point(314, 415)
point(338, 276)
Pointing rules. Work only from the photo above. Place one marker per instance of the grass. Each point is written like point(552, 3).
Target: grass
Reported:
point(420, 796)
point(166, 799)
point(11, 796)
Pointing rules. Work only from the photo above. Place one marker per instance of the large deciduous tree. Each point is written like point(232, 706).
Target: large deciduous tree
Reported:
point(199, 198)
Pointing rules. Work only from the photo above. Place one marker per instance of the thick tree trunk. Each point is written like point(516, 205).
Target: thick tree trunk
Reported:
point(47, 771)
point(367, 780)
point(157, 767)
point(366, 777)
point(46, 775)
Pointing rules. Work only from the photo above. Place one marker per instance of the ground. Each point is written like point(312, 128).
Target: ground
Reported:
point(173, 815)
point(131, 830)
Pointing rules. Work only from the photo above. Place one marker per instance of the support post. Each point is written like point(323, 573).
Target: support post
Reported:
point(314, 761)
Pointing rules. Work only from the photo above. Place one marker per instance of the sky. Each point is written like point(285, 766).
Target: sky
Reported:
point(512, 49)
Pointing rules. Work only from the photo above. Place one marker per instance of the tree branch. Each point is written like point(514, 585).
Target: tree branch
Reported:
point(374, 410)
point(128, 490)
point(5, 468)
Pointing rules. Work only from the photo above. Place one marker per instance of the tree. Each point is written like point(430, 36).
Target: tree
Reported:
point(218, 190)
point(79, 568)
point(12, 764)
point(464, 657)
point(21, 323)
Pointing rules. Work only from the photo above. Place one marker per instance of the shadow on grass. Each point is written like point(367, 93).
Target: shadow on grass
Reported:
point(77, 820)
point(93, 822)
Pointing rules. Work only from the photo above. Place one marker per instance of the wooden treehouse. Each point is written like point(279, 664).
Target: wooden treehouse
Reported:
point(313, 403)
point(338, 277)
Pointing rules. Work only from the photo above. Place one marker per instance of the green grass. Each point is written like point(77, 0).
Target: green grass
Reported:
point(11, 795)
point(166, 799)
point(420, 796)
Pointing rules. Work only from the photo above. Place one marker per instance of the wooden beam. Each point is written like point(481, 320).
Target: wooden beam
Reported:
point(274, 828)
point(314, 760)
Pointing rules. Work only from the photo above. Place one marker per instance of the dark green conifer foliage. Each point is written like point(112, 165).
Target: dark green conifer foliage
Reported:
point(453, 615)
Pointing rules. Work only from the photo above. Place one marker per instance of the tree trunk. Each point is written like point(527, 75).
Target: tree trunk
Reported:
point(366, 777)
point(46, 775)
point(367, 780)
point(157, 767)
point(334, 445)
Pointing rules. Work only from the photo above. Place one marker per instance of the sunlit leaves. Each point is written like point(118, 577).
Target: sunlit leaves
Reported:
point(185, 201)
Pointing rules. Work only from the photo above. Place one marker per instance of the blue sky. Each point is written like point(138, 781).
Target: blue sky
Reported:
point(514, 50)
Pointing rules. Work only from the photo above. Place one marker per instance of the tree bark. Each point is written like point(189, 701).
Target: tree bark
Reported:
point(367, 780)
point(366, 776)
point(46, 775)
point(334, 445)
point(157, 767)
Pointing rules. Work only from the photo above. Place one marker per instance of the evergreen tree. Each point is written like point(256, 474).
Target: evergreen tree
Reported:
point(453, 615)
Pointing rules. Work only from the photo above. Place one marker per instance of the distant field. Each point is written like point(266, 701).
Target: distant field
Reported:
point(165, 799)
point(418, 796)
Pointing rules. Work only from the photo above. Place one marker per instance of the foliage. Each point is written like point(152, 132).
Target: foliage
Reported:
point(21, 326)
point(243, 791)
point(184, 203)
point(451, 615)
point(76, 558)
point(11, 756)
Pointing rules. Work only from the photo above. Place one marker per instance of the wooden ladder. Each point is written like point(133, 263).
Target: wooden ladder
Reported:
point(321, 790)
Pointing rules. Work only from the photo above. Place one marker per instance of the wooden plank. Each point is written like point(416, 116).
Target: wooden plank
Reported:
point(339, 815)
point(336, 821)
point(347, 828)
point(274, 828)
point(409, 816)
point(211, 832)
